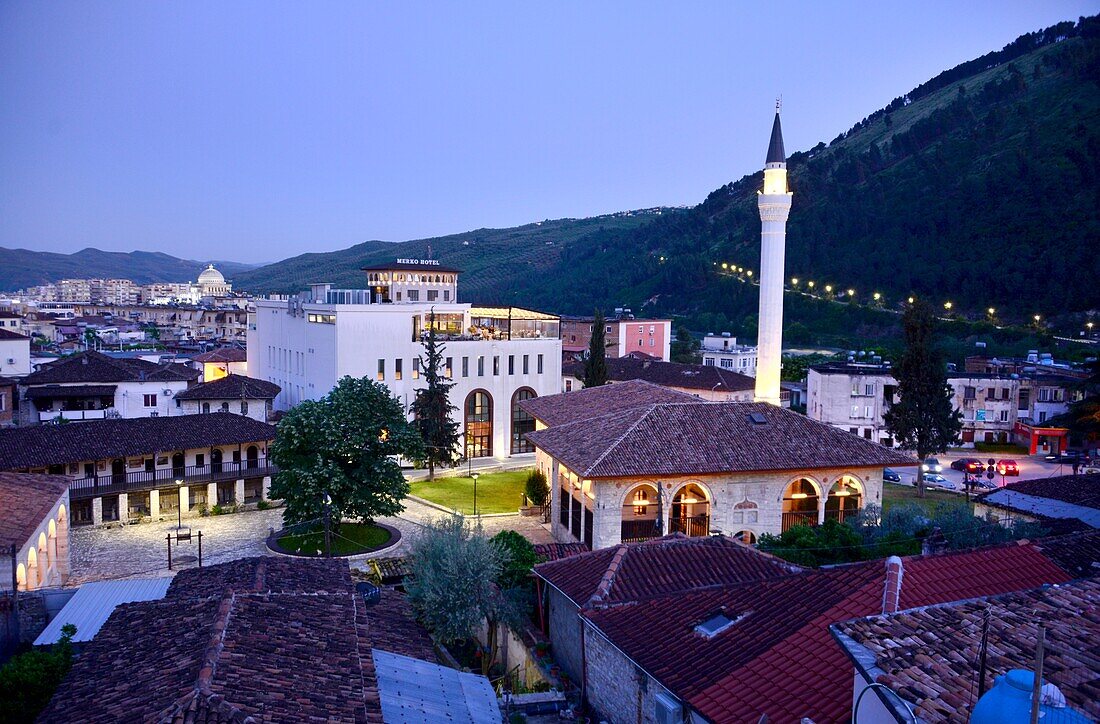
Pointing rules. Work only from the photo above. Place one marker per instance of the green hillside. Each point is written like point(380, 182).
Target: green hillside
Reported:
point(21, 268)
point(981, 187)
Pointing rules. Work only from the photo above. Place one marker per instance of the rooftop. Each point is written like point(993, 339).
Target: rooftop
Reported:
point(682, 438)
point(26, 500)
point(1067, 496)
point(633, 571)
point(8, 335)
point(425, 265)
point(669, 374)
point(927, 655)
point(597, 401)
point(96, 367)
point(270, 638)
point(781, 629)
point(224, 354)
point(44, 445)
point(232, 387)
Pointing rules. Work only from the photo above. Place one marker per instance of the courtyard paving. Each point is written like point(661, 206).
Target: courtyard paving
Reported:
point(141, 550)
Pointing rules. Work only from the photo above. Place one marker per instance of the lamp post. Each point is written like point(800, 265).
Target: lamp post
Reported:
point(179, 505)
point(327, 502)
point(475, 476)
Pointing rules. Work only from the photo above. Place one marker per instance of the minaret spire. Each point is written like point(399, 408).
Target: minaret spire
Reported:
point(774, 202)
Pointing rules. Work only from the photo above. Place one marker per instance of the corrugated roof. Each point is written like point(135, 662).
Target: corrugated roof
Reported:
point(94, 603)
point(419, 692)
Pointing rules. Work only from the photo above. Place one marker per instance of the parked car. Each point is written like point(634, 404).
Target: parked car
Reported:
point(891, 476)
point(931, 465)
point(935, 480)
point(1008, 468)
point(974, 466)
point(1067, 457)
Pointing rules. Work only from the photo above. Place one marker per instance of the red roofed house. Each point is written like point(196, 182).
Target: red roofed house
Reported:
point(218, 363)
point(733, 651)
point(34, 520)
point(633, 461)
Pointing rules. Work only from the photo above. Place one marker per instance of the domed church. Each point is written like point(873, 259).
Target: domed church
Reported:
point(212, 283)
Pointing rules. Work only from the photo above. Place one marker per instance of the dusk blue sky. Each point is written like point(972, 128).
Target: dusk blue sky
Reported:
point(254, 131)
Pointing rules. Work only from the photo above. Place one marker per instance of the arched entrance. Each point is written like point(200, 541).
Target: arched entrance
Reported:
point(252, 457)
point(690, 512)
point(745, 536)
point(640, 514)
point(479, 424)
point(522, 422)
point(216, 460)
point(178, 467)
point(118, 472)
point(845, 500)
point(800, 501)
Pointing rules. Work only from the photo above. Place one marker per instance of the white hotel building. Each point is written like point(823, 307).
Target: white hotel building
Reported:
point(496, 356)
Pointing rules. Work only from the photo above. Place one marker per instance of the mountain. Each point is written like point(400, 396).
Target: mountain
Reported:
point(21, 268)
point(981, 186)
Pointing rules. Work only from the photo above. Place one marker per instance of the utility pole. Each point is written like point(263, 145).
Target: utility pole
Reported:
point(327, 500)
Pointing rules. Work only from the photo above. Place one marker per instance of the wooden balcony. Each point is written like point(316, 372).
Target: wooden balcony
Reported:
point(807, 517)
point(112, 483)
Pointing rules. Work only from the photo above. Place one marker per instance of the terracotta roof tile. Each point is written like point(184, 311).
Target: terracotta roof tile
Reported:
point(224, 354)
point(784, 633)
point(232, 387)
point(96, 367)
point(929, 655)
point(705, 437)
point(42, 445)
point(669, 374)
point(598, 401)
point(25, 501)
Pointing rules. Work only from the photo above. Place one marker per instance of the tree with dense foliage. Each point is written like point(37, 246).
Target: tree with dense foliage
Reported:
point(454, 583)
point(595, 364)
point(1083, 417)
point(536, 488)
point(29, 680)
point(519, 558)
point(924, 419)
point(685, 348)
point(433, 413)
point(346, 444)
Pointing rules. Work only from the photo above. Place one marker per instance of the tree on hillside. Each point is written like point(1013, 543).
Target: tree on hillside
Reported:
point(685, 348)
point(344, 444)
point(432, 409)
point(595, 365)
point(1083, 417)
point(924, 419)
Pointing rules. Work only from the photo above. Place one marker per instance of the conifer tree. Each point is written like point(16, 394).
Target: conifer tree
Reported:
point(432, 408)
point(924, 419)
point(595, 366)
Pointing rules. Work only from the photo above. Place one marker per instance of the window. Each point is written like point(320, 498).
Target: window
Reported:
point(1004, 393)
point(652, 342)
point(465, 366)
point(414, 295)
point(569, 385)
point(855, 389)
point(433, 295)
point(540, 364)
point(150, 400)
point(479, 424)
point(853, 430)
point(511, 364)
point(446, 295)
point(448, 367)
point(206, 408)
point(322, 318)
point(855, 410)
point(1004, 415)
point(244, 407)
point(1043, 416)
point(522, 422)
point(641, 329)
point(969, 393)
point(200, 459)
point(708, 361)
point(1044, 394)
point(481, 366)
point(652, 328)
point(496, 364)
point(526, 366)
point(381, 370)
point(416, 369)
point(867, 412)
point(3, 401)
point(225, 407)
point(727, 363)
point(869, 390)
point(991, 393)
point(608, 329)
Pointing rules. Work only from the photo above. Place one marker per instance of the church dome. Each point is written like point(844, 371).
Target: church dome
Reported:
point(210, 275)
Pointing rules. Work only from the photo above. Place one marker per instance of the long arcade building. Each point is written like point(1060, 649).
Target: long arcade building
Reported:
point(130, 469)
point(497, 357)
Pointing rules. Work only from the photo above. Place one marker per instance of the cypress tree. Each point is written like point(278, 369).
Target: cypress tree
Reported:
point(924, 419)
point(432, 408)
point(595, 365)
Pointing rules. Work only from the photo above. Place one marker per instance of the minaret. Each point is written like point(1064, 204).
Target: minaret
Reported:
point(775, 204)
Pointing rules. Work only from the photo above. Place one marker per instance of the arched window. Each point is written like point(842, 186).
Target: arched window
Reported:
point(479, 424)
point(205, 407)
point(799, 504)
point(690, 512)
point(225, 407)
point(639, 516)
point(845, 500)
point(745, 536)
point(522, 422)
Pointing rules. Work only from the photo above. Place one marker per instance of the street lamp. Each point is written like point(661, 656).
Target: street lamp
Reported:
point(828, 288)
point(851, 292)
point(475, 476)
point(179, 505)
point(911, 300)
point(794, 281)
point(877, 296)
point(947, 306)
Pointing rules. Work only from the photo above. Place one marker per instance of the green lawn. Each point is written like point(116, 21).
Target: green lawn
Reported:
point(347, 539)
point(496, 492)
point(893, 494)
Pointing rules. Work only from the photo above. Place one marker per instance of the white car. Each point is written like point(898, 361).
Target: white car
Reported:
point(935, 480)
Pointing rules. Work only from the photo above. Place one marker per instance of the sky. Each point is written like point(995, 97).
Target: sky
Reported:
point(255, 131)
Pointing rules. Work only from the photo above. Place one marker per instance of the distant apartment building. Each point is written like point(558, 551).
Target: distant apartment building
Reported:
point(996, 408)
point(496, 356)
point(624, 335)
point(15, 353)
point(211, 284)
point(723, 351)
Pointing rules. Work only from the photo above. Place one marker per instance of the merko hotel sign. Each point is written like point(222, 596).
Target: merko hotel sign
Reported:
point(429, 262)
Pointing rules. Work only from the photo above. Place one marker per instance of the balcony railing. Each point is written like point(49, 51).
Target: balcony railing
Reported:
point(71, 415)
point(807, 517)
point(696, 526)
point(841, 516)
point(634, 531)
point(110, 483)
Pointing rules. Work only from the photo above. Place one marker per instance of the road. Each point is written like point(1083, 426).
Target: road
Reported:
point(1030, 468)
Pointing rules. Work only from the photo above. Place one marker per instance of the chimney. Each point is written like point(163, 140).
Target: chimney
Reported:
point(891, 595)
point(934, 543)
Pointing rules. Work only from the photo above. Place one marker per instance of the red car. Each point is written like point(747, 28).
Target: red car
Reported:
point(1008, 468)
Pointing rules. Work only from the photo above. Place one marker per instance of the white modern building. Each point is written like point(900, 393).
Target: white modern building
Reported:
point(15, 354)
point(496, 356)
point(852, 397)
point(723, 351)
